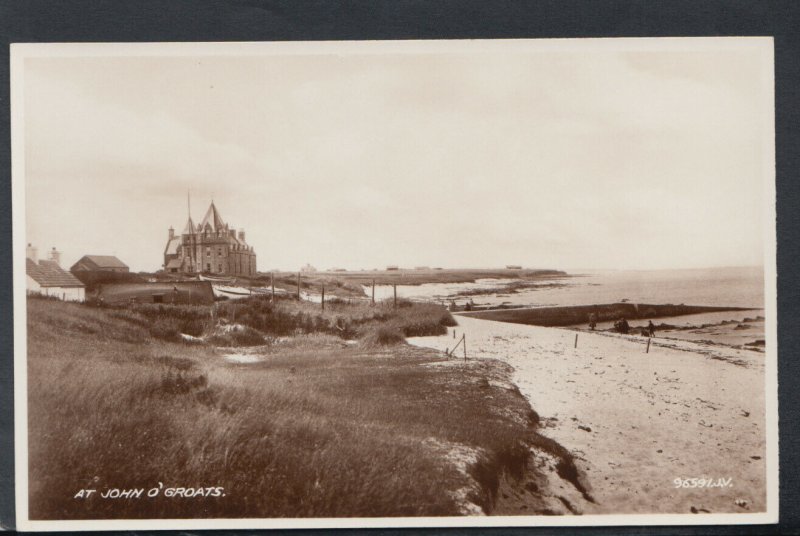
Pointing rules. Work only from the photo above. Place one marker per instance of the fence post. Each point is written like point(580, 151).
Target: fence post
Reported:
point(464, 338)
point(395, 295)
point(272, 283)
point(373, 291)
point(298, 285)
point(648, 346)
point(576, 341)
point(323, 297)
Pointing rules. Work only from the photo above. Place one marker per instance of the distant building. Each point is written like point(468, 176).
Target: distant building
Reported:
point(392, 267)
point(211, 247)
point(513, 267)
point(308, 269)
point(46, 277)
point(99, 263)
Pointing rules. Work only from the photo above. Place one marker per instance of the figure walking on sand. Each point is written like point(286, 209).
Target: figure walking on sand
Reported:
point(651, 329)
point(592, 321)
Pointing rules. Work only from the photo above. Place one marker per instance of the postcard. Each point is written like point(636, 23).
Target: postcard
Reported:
point(395, 283)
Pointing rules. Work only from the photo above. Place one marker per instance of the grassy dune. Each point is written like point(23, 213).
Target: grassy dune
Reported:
point(360, 320)
point(319, 428)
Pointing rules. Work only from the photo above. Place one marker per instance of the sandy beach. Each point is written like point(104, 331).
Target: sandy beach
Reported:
point(637, 422)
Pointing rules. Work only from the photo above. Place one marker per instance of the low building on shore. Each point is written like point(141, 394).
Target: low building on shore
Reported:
point(99, 263)
point(47, 278)
point(167, 292)
point(96, 270)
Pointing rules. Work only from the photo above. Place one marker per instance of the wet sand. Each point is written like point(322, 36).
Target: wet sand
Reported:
point(638, 421)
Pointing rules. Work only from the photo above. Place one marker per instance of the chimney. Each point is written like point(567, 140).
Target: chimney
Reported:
point(31, 253)
point(171, 233)
point(55, 256)
point(241, 235)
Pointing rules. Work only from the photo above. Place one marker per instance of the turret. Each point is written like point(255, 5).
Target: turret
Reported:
point(241, 235)
point(171, 233)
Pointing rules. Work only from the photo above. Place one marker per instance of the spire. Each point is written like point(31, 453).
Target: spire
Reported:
point(213, 219)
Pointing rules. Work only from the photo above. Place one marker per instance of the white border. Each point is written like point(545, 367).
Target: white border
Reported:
point(21, 51)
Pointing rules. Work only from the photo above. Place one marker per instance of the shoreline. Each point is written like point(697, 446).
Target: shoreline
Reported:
point(638, 421)
point(576, 315)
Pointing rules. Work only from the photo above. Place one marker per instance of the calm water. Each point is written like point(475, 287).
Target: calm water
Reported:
point(735, 287)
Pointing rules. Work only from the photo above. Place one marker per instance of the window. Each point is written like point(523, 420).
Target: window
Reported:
point(208, 267)
point(208, 252)
point(220, 268)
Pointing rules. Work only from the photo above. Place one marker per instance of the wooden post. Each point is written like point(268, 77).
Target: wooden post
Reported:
point(464, 338)
point(373, 292)
point(272, 283)
point(648, 346)
point(323, 297)
point(395, 295)
point(576, 341)
point(298, 285)
point(454, 334)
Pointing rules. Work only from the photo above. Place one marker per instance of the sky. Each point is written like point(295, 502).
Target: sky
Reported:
point(586, 156)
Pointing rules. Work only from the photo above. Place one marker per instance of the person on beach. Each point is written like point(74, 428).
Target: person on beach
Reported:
point(651, 329)
point(622, 326)
point(592, 321)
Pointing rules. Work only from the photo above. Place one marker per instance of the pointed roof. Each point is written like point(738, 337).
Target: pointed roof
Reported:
point(189, 228)
point(213, 219)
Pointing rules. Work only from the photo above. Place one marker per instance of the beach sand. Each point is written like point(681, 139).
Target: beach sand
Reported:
point(637, 421)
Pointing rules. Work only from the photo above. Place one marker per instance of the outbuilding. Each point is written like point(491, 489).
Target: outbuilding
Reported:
point(99, 263)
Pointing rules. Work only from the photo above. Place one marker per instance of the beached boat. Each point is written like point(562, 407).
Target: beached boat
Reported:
point(212, 279)
point(230, 292)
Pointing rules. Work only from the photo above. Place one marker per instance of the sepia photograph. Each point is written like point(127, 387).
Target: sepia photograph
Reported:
point(508, 282)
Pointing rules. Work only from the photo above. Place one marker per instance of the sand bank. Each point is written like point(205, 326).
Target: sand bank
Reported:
point(638, 421)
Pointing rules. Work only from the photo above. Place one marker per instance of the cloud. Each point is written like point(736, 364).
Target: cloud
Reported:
point(593, 159)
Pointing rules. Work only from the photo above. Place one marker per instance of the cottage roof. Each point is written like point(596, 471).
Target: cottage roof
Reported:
point(213, 219)
point(50, 274)
point(104, 261)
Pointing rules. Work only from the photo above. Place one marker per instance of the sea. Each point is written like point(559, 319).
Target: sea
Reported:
point(725, 287)
point(733, 287)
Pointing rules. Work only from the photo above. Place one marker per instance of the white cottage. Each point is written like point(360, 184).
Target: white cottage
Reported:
point(46, 277)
